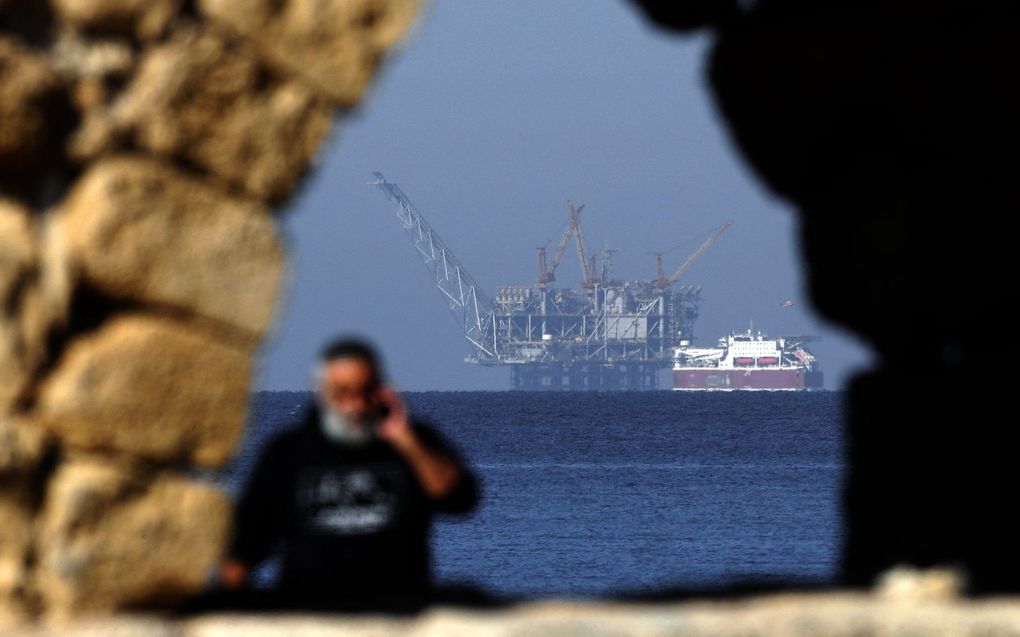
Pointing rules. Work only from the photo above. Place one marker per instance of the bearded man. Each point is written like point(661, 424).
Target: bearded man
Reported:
point(347, 498)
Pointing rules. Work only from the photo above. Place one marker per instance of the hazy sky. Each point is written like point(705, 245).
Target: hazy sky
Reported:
point(490, 118)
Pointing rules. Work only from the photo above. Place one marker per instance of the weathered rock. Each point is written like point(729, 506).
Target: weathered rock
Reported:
point(147, 233)
point(210, 103)
point(836, 614)
point(34, 293)
point(113, 537)
point(22, 444)
point(310, 625)
point(56, 282)
point(16, 532)
point(18, 255)
point(27, 89)
point(150, 387)
point(122, 625)
point(76, 57)
point(24, 78)
point(93, 68)
point(17, 243)
point(142, 19)
point(910, 585)
point(332, 45)
point(168, 259)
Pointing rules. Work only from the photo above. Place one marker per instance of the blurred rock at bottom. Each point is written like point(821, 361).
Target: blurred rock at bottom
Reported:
point(834, 614)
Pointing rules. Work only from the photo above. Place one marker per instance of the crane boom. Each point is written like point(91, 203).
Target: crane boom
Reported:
point(544, 276)
point(468, 304)
point(587, 267)
point(549, 275)
point(694, 257)
point(564, 240)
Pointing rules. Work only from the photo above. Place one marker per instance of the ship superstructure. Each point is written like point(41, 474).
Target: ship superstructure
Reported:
point(604, 334)
point(746, 361)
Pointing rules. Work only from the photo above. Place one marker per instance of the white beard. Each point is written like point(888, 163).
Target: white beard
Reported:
point(341, 429)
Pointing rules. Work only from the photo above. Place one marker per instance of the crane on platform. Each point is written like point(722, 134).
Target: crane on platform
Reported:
point(588, 266)
point(547, 276)
point(662, 283)
point(588, 275)
point(467, 302)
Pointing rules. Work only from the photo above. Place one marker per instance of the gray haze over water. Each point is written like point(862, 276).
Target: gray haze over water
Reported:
point(490, 118)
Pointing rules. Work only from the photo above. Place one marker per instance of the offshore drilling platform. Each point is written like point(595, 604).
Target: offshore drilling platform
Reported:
point(606, 334)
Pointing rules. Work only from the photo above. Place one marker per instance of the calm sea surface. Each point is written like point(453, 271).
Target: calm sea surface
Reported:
point(606, 493)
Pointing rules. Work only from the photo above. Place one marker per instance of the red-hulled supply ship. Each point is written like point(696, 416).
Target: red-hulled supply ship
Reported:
point(747, 361)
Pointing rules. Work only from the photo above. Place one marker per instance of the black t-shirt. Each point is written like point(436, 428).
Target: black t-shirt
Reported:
point(351, 521)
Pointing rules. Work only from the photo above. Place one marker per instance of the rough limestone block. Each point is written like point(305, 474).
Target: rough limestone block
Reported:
point(112, 537)
point(34, 293)
point(16, 532)
point(18, 255)
point(331, 45)
point(22, 444)
point(76, 57)
point(27, 85)
point(150, 387)
point(97, 135)
point(142, 19)
point(118, 625)
point(93, 68)
point(17, 243)
point(145, 232)
point(322, 625)
point(210, 102)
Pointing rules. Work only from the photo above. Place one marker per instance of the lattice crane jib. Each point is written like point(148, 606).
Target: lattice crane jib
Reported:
point(548, 275)
point(467, 302)
point(664, 283)
point(587, 265)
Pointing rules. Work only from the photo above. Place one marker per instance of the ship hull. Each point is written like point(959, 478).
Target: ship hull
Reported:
point(714, 379)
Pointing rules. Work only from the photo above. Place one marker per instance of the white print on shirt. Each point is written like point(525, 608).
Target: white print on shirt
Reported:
point(354, 501)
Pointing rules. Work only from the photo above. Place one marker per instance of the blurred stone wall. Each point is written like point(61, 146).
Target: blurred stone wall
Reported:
point(144, 146)
point(778, 615)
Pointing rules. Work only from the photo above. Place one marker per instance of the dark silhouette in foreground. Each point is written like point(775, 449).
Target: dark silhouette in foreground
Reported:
point(892, 126)
point(347, 499)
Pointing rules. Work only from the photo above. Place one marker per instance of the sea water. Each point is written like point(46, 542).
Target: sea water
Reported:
point(610, 493)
